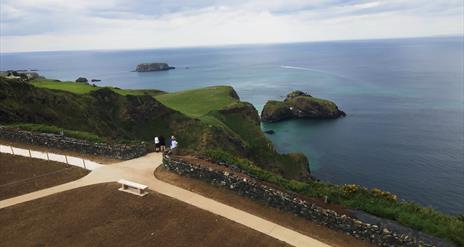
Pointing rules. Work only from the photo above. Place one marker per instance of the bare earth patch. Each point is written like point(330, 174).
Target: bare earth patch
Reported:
point(259, 209)
point(100, 215)
point(20, 175)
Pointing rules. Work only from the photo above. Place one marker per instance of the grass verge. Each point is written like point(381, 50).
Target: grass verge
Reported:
point(55, 130)
point(376, 202)
point(84, 88)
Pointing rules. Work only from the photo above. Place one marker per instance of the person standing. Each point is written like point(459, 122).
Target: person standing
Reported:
point(169, 142)
point(173, 143)
point(157, 144)
point(162, 143)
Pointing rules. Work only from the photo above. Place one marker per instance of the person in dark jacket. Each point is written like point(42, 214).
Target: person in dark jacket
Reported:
point(168, 143)
point(162, 143)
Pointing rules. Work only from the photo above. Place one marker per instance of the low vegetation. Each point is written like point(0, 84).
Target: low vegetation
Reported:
point(298, 104)
point(220, 107)
point(199, 102)
point(211, 117)
point(101, 114)
point(375, 201)
point(55, 130)
point(84, 88)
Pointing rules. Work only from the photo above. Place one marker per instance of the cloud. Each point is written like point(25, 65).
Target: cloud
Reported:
point(85, 24)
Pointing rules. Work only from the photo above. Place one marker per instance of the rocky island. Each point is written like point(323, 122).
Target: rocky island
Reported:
point(148, 67)
point(298, 104)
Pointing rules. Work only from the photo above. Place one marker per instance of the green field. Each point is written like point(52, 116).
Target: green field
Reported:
point(199, 102)
point(84, 88)
point(194, 103)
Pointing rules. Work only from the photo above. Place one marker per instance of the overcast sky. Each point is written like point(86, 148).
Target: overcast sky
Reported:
point(37, 25)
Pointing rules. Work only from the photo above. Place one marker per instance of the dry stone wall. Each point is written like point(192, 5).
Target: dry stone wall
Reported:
point(287, 201)
point(115, 151)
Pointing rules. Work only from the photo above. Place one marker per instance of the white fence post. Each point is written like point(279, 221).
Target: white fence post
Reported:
point(92, 165)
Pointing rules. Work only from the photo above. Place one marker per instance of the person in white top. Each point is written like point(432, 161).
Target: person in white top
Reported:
point(157, 144)
point(174, 144)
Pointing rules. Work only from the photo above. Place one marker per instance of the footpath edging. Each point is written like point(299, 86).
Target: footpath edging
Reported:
point(66, 159)
point(141, 171)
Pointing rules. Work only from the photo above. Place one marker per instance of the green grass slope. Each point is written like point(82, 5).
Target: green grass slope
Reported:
point(102, 112)
point(199, 102)
point(84, 88)
point(201, 119)
point(220, 106)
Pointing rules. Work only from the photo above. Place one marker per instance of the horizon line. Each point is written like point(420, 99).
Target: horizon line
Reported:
point(241, 44)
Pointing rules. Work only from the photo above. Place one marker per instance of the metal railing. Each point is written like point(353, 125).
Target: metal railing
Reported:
point(66, 159)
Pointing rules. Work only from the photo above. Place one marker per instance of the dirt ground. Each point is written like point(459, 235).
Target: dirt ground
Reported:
point(100, 215)
point(257, 208)
point(98, 159)
point(20, 175)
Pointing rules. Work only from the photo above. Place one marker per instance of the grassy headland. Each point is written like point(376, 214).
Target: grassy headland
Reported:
point(211, 117)
point(84, 88)
point(199, 102)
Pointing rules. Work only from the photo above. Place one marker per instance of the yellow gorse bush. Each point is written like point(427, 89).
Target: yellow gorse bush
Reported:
point(387, 195)
point(350, 189)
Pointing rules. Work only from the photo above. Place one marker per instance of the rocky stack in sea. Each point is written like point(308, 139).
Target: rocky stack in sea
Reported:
point(299, 104)
point(148, 67)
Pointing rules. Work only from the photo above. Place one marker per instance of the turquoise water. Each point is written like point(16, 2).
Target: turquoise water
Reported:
point(404, 131)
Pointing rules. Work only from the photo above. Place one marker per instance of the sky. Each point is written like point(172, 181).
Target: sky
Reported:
point(43, 25)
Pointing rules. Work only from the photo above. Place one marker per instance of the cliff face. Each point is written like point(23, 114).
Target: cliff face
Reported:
point(148, 67)
point(141, 117)
point(243, 119)
point(102, 112)
point(298, 104)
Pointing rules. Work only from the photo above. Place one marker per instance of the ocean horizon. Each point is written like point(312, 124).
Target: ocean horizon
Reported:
point(404, 130)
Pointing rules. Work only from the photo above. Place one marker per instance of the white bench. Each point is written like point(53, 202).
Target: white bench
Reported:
point(133, 188)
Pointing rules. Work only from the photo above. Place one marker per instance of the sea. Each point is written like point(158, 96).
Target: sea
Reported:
point(404, 99)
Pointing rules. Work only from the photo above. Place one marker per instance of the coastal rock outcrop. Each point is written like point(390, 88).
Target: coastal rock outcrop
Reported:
point(298, 104)
point(148, 67)
point(82, 80)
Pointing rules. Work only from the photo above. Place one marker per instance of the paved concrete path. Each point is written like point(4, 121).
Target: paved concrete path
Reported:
point(141, 170)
